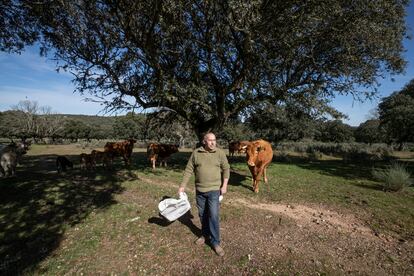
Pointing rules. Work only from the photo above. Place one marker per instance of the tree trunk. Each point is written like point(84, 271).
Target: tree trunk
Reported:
point(212, 125)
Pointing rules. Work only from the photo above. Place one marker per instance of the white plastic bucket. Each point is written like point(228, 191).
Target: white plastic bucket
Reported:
point(172, 208)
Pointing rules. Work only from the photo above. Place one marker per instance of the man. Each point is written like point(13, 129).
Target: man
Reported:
point(212, 172)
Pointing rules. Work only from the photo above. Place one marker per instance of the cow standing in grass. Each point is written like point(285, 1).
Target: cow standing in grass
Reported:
point(10, 156)
point(62, 163)
point(233, 146)
point(259, 155)
point(86, 161)
point(123, 149)
point(100, 157)
point(160, 152)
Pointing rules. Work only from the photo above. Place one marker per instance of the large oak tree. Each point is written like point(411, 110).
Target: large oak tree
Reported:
point(207, 61)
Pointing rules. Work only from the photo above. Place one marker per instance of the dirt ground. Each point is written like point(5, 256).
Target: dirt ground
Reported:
point(325, 240)
point(271, 239)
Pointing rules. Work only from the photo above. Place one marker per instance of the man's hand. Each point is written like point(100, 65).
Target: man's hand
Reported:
point(223, 190)
point(181, 190)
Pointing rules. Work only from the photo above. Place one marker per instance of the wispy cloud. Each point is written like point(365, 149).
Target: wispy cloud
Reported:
point(29, 63)
point(60, 98)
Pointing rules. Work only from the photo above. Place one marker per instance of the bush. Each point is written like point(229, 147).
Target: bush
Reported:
point(282, 156)
point(358, 154)
point(314, 154)
point(350, 152)
point(394, 178)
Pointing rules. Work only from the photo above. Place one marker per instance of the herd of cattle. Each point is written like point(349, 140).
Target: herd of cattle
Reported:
point(259, 155)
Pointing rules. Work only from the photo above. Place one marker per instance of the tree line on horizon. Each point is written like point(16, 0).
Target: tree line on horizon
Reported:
point(393, 124)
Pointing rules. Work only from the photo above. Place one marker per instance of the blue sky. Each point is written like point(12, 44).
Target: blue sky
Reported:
point(29, 76)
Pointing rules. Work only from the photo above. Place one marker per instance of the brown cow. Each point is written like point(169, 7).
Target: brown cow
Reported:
point(161, 152)
point(259, 155)
point(123, 149)
point(100, 157)
point(62, 163)
point(233, 146)
point(237, 147)
point(86, 161)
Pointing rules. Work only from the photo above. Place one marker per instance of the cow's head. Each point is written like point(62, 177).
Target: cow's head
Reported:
point(252, 151)
point(242, 146)
point(24, 147)
point(21, 147)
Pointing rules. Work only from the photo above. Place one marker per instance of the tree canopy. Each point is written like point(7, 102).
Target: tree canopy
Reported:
point(369, 132)
point(129, 126)
point(282, 123)
point(17, 26)
point(335, 131)
point(397, 115)
point(207, 61)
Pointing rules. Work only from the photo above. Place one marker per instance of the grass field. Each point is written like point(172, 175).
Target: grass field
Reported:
point(317, 218)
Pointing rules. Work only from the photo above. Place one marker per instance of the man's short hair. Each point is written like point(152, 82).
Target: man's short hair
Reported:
point(208, 133)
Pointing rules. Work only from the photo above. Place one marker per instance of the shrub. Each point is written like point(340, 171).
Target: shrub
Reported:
point(282, 156)
point(314, 154)
point(350, 152)
point(357, 154)
point(385, 154)
point(394, 178)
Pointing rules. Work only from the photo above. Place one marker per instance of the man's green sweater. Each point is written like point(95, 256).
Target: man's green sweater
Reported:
point(207, 167)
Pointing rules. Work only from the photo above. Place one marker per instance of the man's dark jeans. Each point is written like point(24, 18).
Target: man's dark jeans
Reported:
point(208, 210)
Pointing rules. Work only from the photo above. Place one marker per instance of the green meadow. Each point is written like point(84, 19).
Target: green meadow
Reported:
point(316, 217)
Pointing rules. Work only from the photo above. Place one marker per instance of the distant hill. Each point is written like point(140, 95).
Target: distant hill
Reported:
point(103, 122)
point(12, 122)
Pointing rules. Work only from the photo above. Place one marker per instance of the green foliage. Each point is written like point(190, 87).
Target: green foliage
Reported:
point(281, 123)
point(212, 60)
point(75, 130)
point(9, 125)
point(28, 119)
point(394, 178)
point(129, 126)
point(167, 127)
point(397, 115)
point(17, 26)
point(282, 156)
point(357, 154)
point(314, 154)
point(235, 131)
point(335, 131)
point(101, 126)
point(350, 152)
point(369, 132)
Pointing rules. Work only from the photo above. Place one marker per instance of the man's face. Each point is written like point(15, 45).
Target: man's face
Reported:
point(210, 142)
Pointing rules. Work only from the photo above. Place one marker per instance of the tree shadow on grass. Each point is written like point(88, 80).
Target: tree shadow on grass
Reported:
point(38, 204)
point(238, 177)
point(339, 168)
point(360, 172)
point(376, 187)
